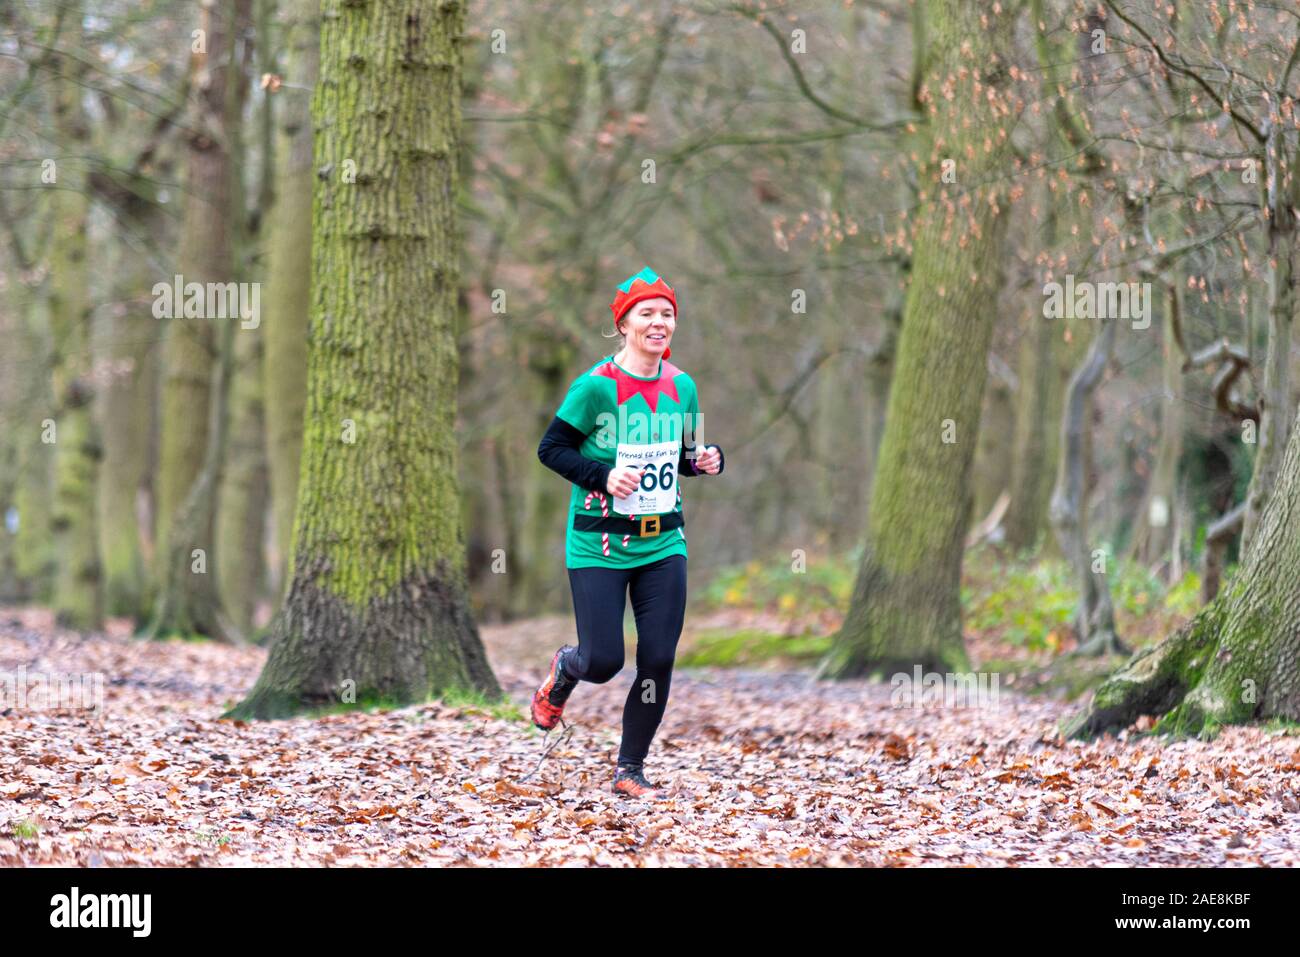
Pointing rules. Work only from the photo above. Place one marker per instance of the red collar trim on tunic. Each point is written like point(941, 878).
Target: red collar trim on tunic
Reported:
point(651, 389)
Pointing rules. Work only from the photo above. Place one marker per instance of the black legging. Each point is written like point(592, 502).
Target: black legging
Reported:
point(659, 603)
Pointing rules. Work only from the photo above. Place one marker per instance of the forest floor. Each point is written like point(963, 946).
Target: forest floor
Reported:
point(768, 769)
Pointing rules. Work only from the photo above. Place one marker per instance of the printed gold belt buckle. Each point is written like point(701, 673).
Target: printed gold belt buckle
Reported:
point(648, 521)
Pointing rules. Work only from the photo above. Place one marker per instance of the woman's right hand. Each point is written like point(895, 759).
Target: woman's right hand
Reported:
point(623, 481)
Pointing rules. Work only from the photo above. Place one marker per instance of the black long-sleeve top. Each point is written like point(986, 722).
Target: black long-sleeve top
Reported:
point(558, 451)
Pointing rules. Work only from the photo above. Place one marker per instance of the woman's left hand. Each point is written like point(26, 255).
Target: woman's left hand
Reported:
point(709, 460)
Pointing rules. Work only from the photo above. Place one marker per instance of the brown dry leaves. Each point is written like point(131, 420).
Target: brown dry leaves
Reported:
point(768, 771)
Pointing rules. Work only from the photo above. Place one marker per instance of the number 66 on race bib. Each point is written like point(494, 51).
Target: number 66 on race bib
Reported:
point(658, 490)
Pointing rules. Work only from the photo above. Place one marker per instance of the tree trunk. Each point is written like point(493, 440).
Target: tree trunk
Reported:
point(906, 606)
point(1240, 657)
point(288, 287)
point(1095, 618)
point(994, 448)
point(377, 609)
point(244, 489)
point(188, 600)
point(33, 542)
point(190, 457)
point(1030, 462)
point(244, 494)
point(880, 375)
point(1154, 542)
point(19, 432)
point(124, 405)
point(78, 595)
point(1275, 412)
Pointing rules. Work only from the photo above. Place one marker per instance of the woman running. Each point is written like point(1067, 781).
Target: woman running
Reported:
point(624, 435)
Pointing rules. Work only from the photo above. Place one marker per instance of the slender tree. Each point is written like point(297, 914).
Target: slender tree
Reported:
point(78, 592)
point(1095, 617)
point(192, 455)
point(124, 401)
point(287, 304)
point(244, 492)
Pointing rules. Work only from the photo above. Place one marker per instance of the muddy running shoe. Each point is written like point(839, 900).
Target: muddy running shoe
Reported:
point(629, 781)
point(548, 700)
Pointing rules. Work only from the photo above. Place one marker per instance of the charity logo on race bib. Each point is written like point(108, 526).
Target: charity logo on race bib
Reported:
point(658, 490)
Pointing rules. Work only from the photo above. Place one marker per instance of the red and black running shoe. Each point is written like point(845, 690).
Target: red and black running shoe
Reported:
point(549, 699)
point(630, 782)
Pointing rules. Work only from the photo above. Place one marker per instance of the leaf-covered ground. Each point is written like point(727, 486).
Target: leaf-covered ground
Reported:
point(768, 769)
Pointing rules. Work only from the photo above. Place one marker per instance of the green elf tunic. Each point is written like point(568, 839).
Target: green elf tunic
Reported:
point(613, 408)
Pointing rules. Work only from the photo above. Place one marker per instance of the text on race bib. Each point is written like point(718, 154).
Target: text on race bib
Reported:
point(658, 490)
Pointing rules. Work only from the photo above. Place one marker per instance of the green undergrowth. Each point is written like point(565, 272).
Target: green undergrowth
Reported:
point(189, 637)
point(1030, 602)
point(784, 583)
point(1017, 613)
point(1282, 726)
point(750, 647)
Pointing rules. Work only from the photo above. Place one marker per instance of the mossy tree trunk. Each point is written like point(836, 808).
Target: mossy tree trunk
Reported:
point(33, 542)
point(905, 608)
point(534, 584)
point(26, 557)
point(1237, 660)
point(996, 443)
point(188, 601)
point(78, 593)
point(378, 609)
point(879, 376)
point(190, 457)
point(124, 406)
point(1036, 372)
point(244, 490)
point(205, 255)
point(287, 305)
point(1275, 412)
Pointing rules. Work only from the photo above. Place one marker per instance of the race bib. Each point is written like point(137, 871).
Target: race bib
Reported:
point(658, 491)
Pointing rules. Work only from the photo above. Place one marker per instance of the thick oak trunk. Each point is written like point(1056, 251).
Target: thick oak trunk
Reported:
point(377, 609)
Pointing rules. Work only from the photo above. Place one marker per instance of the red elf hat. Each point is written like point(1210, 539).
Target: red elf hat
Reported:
point(647, 284)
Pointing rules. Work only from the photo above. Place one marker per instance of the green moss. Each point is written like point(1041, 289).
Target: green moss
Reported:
point(1068, 677)
point(1283, 726)
point(747, 647)
point(473, 701)
point(154, 634)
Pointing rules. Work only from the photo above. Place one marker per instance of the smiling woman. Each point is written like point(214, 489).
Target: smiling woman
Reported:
point(626, 528)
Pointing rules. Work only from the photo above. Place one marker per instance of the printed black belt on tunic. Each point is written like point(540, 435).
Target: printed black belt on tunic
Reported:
point(641, 526)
